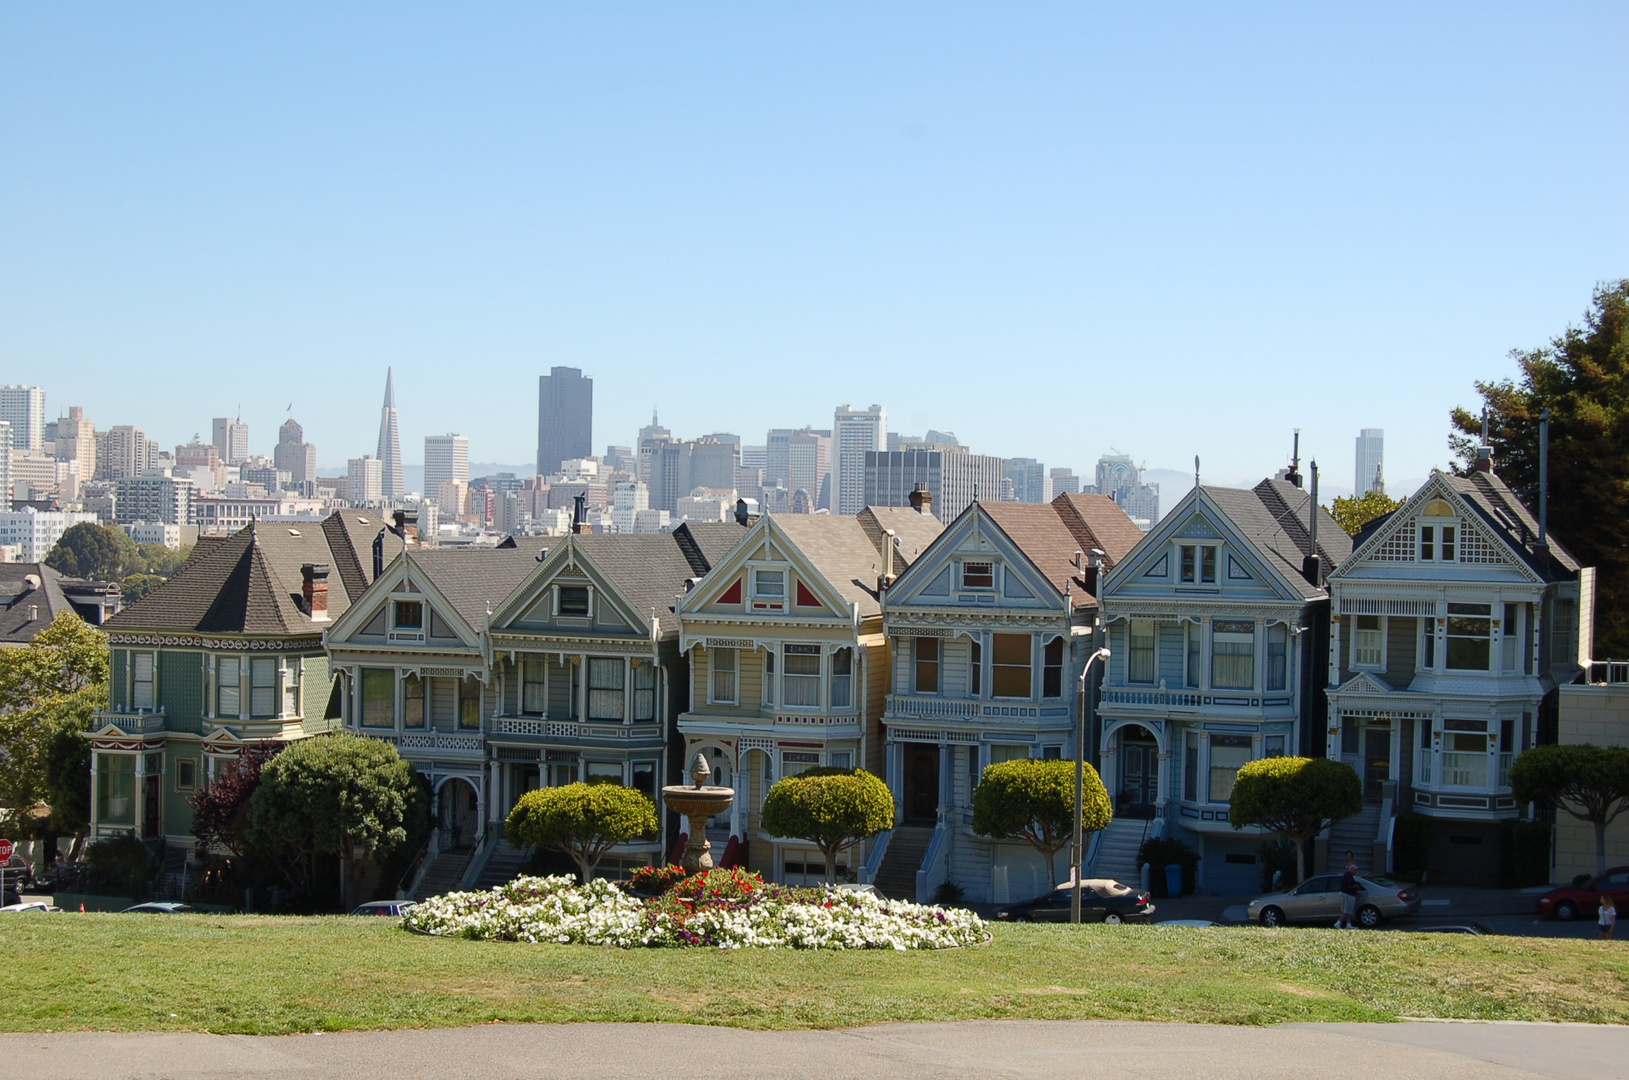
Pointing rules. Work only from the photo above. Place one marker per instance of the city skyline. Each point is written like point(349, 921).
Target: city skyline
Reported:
point(958, 224)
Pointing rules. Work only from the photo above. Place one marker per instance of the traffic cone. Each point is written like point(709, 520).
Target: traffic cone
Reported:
point(82, 907)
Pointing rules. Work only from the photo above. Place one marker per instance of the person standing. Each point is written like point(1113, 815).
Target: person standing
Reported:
point(1607, 920)
point(1349, 894)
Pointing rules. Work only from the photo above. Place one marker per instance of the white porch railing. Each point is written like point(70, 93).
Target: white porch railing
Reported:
point(932, 708)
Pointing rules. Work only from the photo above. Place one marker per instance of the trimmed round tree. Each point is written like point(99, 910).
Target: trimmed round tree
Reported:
point(1589, 782)
point(343, 795)
point(1033, 799)
point(1295, 797)
point(832, 808)
point(582, 820)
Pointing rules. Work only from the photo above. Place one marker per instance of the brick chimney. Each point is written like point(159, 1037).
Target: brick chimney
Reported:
point(314, 589)
point(921, 498)
point(407, 525)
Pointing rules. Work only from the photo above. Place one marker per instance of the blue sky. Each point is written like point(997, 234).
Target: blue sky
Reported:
point(1176, 230)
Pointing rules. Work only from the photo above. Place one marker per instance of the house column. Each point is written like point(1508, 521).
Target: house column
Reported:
point(581, 702)
point(896, 778)
point(95, 759)
point(946, 781)
point(495, 785)
point(1164, 780)
point(141, 795)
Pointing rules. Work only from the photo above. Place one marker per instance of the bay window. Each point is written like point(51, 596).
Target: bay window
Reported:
point(975, 674)
point(925, 665)
point(413, 702)
point(842, 679)
point(1510, 643)
point(1278, 657)
point(1465, 753)
point(1140, 667)
point(1190, 767)
point(1052, 669)
point(469, 704)
point(1470, 636)
point(534, 698)
point(800, 676)
point(1232, 655)
point(263, 687)
point(1009, 672)
point(722, 667)
point(378, 697)
point(227, 695)
point(1228, 754)
point(1368, 642)
point(769, 678)
point(141, 680)
point(116, 789)
point(1192, 668)
point(605, 675)
point(644, 692)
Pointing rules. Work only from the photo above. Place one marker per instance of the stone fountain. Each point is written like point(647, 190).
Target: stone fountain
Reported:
point(698, 801)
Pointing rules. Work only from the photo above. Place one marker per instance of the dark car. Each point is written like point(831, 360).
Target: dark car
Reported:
point(160, 907)
point(1475, 929)
point(393, 908)
point(1101, 900)
point(1570, 901)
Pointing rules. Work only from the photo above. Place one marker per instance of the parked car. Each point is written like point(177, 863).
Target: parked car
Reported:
point(1192, 923)
point(160, 907)
point(1570, 901)
point(393, 908)
point(1101, 900)
point(31, 905)
point(1318, 899)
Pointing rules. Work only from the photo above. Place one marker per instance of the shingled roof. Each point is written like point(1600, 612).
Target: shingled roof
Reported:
point(250, 582)
point(848, 553)
point(1502, 511)
point(475, 579)
point(1050, 534)
point(33, 594)
point(1274, 515)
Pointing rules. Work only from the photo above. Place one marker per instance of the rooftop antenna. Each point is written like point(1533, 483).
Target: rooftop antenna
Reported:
point(1294, 475)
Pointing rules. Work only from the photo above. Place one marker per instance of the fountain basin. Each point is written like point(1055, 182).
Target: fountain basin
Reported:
point(702, 802)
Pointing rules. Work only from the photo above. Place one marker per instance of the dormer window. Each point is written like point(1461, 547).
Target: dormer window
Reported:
point(1439, 538)
point(409, 615)
point(978, 575)
point(574, 600)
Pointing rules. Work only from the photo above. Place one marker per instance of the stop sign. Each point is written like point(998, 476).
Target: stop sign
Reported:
point(5, 850)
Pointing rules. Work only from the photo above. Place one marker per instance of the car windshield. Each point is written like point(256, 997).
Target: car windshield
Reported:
point(1384, 883)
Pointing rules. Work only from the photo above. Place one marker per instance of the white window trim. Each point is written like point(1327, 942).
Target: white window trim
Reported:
point(961, 575)
point(712, 679)
point(1385, 642)
point(819, 679)
point(558, 592)
point(783, 569)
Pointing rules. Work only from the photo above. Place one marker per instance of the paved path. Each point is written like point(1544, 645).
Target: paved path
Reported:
point(1021, 1048)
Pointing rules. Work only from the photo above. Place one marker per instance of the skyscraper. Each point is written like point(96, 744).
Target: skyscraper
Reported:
point(855, 433)
point(23, 407)
point(1029, 480)
point(1121, 478)
point(231, 438)
point(565, 418)
point(391, 486)
point(446, 457)
point(1371, 446)
point(294, 455)
point(363, 478)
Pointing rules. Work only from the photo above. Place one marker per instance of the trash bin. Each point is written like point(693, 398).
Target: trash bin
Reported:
point(1173, 879)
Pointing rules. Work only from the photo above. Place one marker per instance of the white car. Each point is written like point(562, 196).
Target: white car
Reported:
point(31, 905)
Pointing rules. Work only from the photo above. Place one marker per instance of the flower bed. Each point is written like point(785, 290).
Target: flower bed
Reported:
point(724, 909)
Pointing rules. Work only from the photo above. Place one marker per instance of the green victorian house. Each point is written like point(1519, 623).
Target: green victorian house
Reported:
point(225, 655)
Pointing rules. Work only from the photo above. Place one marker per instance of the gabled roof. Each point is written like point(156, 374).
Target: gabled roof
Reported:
point(31, 587)
point(1506, 515)
point(1097, 521)
point(648, 570)
point(843, 550)
point(474, 579)
point(704, 543)
point(1274, 515)
point(250, 582)
point(913, 530)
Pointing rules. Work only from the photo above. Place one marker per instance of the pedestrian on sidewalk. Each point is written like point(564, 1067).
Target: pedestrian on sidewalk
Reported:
point(1349, 894)
point(1608, 917)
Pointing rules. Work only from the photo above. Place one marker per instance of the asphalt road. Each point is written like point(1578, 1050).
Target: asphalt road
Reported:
point(1029, 1049)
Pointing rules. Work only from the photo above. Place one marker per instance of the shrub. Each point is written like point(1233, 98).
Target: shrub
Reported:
point(583, 821)
point(1159, 852)
point(1411, 846)
point(1033, 800)
point(1524, 853)
point(121, 865)
point(948, 893)
point(655, 880)
point(1589, 782)
point(832, 808)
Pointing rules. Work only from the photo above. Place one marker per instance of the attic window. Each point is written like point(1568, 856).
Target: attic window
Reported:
point(978, 575)
point(574, 600)
point(409, 615)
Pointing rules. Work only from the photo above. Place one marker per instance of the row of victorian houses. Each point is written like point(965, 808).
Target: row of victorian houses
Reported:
point(1425, 652)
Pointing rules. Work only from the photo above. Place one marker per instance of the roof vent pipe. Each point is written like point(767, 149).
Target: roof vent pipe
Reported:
point(1312, 565)
point(1294, 475)
point(1484, 450)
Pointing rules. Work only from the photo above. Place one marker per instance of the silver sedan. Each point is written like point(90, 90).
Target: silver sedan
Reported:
point(1318, 899)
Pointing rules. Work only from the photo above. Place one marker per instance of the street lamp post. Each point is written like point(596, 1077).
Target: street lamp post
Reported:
point(1080, 784)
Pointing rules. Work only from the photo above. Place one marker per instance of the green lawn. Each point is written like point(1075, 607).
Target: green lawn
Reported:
point(255, 974)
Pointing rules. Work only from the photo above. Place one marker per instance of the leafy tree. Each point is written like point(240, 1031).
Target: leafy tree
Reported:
point(343, 795)
point(136, 586)
point(48, 688)
point(98, 552)
point(1582, 377)
point(1033, 799)
point(583, 821)
point(833, 808)
point(220, 812)
point(68, 763)
point(1296, 797)
point(1353, 512)
point(1589, 782)
point(160, 561)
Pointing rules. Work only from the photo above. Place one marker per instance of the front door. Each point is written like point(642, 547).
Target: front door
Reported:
point(460, 815)
point(1376, 760)
point(1139, 775)
point(921, 783)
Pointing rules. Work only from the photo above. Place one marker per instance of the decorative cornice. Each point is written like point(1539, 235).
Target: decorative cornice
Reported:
point(240, 643)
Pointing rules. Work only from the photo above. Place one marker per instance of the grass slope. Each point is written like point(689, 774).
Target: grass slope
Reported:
point(260, 975)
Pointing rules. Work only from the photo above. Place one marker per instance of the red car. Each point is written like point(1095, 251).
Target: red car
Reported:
point(1570, 901)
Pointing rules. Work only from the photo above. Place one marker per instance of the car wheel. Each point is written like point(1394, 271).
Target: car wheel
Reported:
point(1271, 916)
point(1566, 911)
point(1021, 918)
point(1112, 919)
point(1368, 916)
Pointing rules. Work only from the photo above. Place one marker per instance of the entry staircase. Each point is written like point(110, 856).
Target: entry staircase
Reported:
point(444, 874)
point(896, 877)
point(1117, 849)
point(502, 866)
point(1357, 835)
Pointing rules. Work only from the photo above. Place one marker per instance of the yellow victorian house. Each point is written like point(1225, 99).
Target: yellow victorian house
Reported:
point(789, 665)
